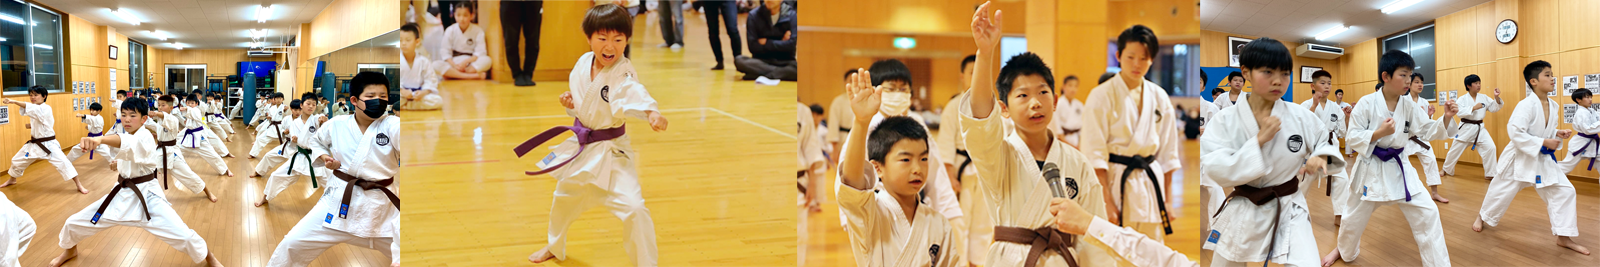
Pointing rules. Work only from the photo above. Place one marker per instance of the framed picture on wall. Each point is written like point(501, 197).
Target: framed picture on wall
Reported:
point(1305, 73)
point(113, 51)
point(1234, 45)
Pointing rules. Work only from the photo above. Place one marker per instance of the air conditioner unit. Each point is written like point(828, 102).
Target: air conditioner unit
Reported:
point(1318, 51)
point(258, 53)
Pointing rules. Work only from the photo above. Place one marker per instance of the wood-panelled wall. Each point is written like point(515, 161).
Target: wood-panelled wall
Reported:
point(348, 22)
point(217, 61)
point(87, 59)
point(344, 61)
point(1214, 53)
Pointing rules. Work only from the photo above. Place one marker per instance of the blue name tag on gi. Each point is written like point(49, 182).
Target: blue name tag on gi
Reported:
point(1363, 190)
point(548, 158)
point(329, 219)
point(96, 219)
point(1538, 179)
point(1214, 235)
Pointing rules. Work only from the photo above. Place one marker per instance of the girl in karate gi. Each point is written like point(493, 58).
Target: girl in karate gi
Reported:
point(1131, 136)
point(1530, 160)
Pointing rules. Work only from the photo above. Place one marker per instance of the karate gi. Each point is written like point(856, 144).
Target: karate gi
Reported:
point(810, 153)
point(116, 127)
point(96, 126)
point(43, 121)
point(1393, 182)
point(16, 232)
point(217, 120)
point(1068, 119)
point(1116, 126)
point(1425, 156)
point(1333, 118)
point(195, 138)
point(461, 46)
point(941, 196)
point(419, 75)
point(300, 161)
point(1468, 138)
point(373, 218)
point(206, 123)
point(169, 129)
point(1582, 149)
point(839, 119)
point(1278, 230)
point(137, 156)
point(881, 235)
point(281, 153)
point(266, 132)
point(980, 228)
point(1526, 162)
point(1223, 101)
point(607, 172)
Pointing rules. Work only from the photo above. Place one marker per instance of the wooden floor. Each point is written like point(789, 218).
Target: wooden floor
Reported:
point(1523, 238)
point(712, 181)
point(238, 233)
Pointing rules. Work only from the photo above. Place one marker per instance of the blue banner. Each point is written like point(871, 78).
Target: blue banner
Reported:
point(1219, 78)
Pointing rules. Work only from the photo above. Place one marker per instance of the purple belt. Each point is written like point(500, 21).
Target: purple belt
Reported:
point(1592, 138)
point(190, 135)
point(585, 136)
point(1394, 154)
point(91, 150)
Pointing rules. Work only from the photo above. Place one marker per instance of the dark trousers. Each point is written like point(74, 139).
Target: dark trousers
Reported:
point(671, 21)
point(771, 68)
point(519, 19)
point(728, 11)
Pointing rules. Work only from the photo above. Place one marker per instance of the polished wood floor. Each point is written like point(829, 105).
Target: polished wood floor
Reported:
point(714, 181)
point(1523, 238)
point(238, 233)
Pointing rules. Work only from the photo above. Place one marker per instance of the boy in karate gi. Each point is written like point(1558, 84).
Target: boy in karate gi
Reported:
point(1422, 150)
point(359, 205)
point(1530, 160)
point(465, 55)
point(116, 103)
point(1068, 119)
point(1380, 127)
point(42, 144)
point(281, 153)
point(297, 153)
point(1477, 107)
point(96, 126)
point(1585, 124)
point(197, 139)
point(272, 116)
point(603, 92)
point(894, 78)
point(137, 200)
point(839, 116)
point(1235, 91)
point(811, 165)
point(419, 80)
point(200, 114)
point(1333, 118)
point(215, 120)
point(1131, 136)
point(167, 126)
point(1263, 147)
point(1017, 197)
point(958, 165)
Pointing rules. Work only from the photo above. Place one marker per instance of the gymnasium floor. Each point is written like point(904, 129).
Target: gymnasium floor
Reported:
point(238, 233)
point(711, 181)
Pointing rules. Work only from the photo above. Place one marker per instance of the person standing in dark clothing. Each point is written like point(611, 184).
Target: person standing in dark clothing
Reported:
point(728, 11)
point(519, 19)
point(771, 32)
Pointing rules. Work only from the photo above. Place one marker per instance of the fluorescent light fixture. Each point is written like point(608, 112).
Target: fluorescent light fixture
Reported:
point(2, 39)
point(262, 13)
point(1398, 5)
point(177, 45)
point(12, 19)
point(43, 46)
point(125, 16)
point(1331, 32)
point(905, 42)
point(258, 33)
point(158, 35)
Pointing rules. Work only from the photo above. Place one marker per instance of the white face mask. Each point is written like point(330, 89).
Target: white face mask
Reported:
point(895, 103)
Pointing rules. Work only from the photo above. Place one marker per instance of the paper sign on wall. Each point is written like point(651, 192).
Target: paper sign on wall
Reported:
point(1569, 84)
point(1567, 111)
point(5, 115)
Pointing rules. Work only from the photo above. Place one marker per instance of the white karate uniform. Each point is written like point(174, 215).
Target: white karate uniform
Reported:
point(608, 172)
point(1116, 124)
point(809, 154)
point(262, 108)
point(469, 42)
point(1430, 163)
point(1585, 121)
point(1223, 100)
point(1332, 117)
point(1382, 183)
point(266, 134)
point(211, 132)
point(419, 75)
point(281, 153)
point(1018, 196)
point(1522, 166)
point(881, 235)
point(1232, 156)
point(201, 142)
point(16, 232)
point(1465, 137)
point(301, 164)
point(96, 125)
point(980, 228)
point(43, 121)
point(1068, 117)
point(1128, 245)
point(219, 123)
point(116, 127)
point(373, 222)
point(839, 119)
point(137, 156)
point(170, 129)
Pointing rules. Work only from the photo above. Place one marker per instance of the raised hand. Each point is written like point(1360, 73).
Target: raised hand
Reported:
point(986, 27)
point(864, 98)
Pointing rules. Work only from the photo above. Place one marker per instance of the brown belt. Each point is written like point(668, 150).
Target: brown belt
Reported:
point(40, 142)
point(1070, 131)
point(130, 184)
point(1464, 122)
point(166, 170)
point(1041, 239)
point(382, 185)
point(277, 131)
point(1260, 196)
point(1419, 142)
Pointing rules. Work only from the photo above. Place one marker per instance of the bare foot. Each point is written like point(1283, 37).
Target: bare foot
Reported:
point(211, 260)
point(13, 181)
point(262, 202)
point(65, 256)
point(541, 256)
point(210, 196)
point(228, 156)
point(1477, 226)
point(228, 173)
point(1330, 258)
point(1440, 199)
point(80, 186)
point(1567, 242)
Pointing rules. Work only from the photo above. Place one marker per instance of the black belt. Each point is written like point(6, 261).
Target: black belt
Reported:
point(844, 129)
point(1041, 239)
point(799, 185)
point(166, 170)
point(964, 163)
point(454, 53)
point(1070, 131)
point(131, 184)
point(40, 142)
point(381, 185)
point(1141, 162)
point(1464, 122)
point(1260, 196)
point(303, 152)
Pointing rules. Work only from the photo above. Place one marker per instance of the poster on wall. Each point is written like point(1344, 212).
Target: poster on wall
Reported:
point(1591, 81)
point(1567, 111)
point(1569, 84)
point(1234, 45)
point(113, 79)
point(1454, 95)
point(5, 115)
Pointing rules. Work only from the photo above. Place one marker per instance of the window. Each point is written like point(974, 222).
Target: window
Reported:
point(136, 63)
point(1419, 43)
point(30, 39)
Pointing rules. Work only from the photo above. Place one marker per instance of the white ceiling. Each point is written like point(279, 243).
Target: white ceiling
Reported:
point(200, 24)
point(1295, 20)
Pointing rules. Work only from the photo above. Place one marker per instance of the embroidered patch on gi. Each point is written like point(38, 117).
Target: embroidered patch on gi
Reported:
point(1363, 190)
point(1335, 117)
point(312, 129)
point(605, 93)
point(383, 139)
point(1072, 187)
point(1407, 128)
point(1214, 236)
point(934, 251)
point(548, 158)
point(1295, 143)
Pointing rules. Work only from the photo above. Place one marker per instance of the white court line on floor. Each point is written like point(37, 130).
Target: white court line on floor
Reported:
point(724, 113)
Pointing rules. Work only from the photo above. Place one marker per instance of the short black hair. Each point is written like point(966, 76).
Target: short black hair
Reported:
point(1581, 93)
point(1026, 63)
point(1265, 53)
point(276, 95)
point(608, 17)
point(817, 109)
point(1532, 71)
point(39, 90)
point(191, 98)
point(1231, 75)
point(135, 105)
point(1320, 74)
point(295, 104)
point(1394, 60)
point(1106, 76)
point(166, 99)
point(468, 5)
point(1205, 80)
point(890, 131)
point(1418, 76)
point(411, 28)
point(1471, 79)
point(852, 71)
point(967, 61)
point(94, 106)
point(1069, 78)
point(1139, 34)
point(122, 92)
point(367, 78)
point(1217, 91)
point(889, 70)
point(1340, 91)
